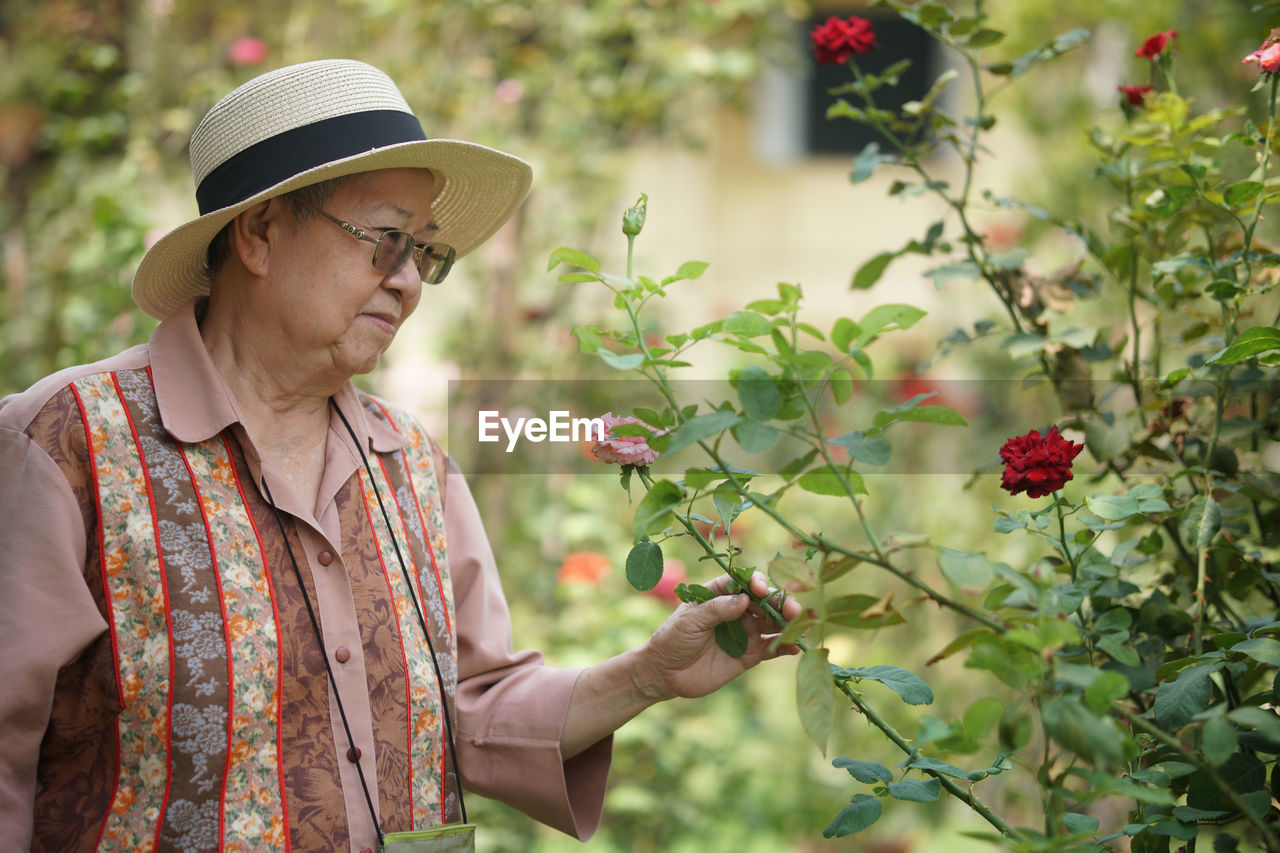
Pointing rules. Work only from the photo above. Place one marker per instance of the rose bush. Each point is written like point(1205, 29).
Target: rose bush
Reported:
point(1134, 638)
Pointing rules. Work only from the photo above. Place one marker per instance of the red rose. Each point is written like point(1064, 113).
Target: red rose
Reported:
point(1267, 57)
point(1037, 465)
point(1135, 95)
point(1155, 44)
point(836, 40)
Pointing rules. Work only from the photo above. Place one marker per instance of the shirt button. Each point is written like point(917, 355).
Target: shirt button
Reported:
point(324, 558)
point(353, 754)
point(342, 655)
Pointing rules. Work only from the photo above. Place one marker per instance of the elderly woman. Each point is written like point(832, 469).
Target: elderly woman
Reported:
point(254, 607)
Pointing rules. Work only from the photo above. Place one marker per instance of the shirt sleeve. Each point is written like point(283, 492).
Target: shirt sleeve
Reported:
point(46, 612)
point(512, 706)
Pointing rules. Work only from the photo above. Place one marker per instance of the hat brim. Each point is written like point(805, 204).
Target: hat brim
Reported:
point(480, 187)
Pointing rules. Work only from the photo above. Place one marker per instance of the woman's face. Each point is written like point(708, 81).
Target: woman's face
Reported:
point(329, 302)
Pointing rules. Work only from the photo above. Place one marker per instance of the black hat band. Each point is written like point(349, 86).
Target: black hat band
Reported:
point(278, 158)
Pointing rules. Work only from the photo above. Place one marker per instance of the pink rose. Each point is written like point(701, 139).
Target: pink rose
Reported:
point(247, 50)
point(625, 449)
point(1267, 57)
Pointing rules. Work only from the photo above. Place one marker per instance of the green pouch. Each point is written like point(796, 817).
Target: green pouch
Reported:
point(450, 838)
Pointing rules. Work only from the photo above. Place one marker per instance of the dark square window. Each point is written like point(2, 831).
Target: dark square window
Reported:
point(896, 40)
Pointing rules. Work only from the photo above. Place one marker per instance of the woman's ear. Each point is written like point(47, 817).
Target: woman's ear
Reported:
point(253, 234)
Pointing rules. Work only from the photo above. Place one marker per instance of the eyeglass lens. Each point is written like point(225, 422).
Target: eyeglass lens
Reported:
point(433, 260)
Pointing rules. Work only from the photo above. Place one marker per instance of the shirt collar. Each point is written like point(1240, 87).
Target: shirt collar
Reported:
point(195, 403)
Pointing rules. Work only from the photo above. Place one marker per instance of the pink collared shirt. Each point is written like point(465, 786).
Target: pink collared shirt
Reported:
point(191, 711)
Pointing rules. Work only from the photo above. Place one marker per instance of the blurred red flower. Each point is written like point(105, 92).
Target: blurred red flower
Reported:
point(1037, 465)
point(673, 574)
point(1155, 44)
point(837, 40)
point(247, 50)
point(1136, 95)
point(1267, 57)
point(583, 567)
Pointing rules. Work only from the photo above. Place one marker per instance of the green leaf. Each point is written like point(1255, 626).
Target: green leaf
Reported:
point(1241, 193)
point(969, 572)
point(1179, 700)
point(1094, 738)
point(654, 512)
point(843, 333)
point(911, 410)
point(746, 324)
point(699, 428)
point(919, 762)
point(824, 481)
point(864, 771)
point(815, 701)
point(758, 393)
point(916, 790)
point(872, 451)
point(1262, 649)
point(732, 638)
point(847, 611)
point(1168, 200)
point(727, 503)
point(965, 271)
point(1200, 522)
point(870, 272)
point(1249, 343)
point(883, 316)
point(985, 37)
point(1218, 741)
point(867, 161)
point(1079, 824)
point(912, 688)
point(1242, 773)
point(625, 361)
point(841, 382)
point(644, 565)
point(688, 271)
point(574, 258)
point(755, 437)
point(1111, 507)
point(693, 593)
point(862, 811)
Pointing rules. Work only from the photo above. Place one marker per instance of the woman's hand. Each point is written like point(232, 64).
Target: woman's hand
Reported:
point(682, 657)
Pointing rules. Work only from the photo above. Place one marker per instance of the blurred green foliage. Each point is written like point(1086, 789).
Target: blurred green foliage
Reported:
point(96, 106)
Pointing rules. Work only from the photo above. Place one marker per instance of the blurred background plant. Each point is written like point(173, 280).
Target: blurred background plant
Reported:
point(98, 101)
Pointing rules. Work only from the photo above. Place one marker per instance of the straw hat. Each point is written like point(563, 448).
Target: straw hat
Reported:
point(307, 123)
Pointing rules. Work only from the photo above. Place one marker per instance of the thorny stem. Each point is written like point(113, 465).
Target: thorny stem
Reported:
point(1062, 535)
point(846, 684)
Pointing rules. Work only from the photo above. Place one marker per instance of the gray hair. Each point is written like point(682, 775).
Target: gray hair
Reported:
point(303, 202)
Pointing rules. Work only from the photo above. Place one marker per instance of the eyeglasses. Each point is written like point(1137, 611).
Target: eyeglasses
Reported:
point(393, 248)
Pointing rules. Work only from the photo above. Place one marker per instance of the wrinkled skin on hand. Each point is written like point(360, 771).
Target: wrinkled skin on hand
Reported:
point(683, 658)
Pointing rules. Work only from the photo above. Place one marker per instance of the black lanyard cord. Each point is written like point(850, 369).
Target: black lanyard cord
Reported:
point(422, 619)
point(346, 727)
